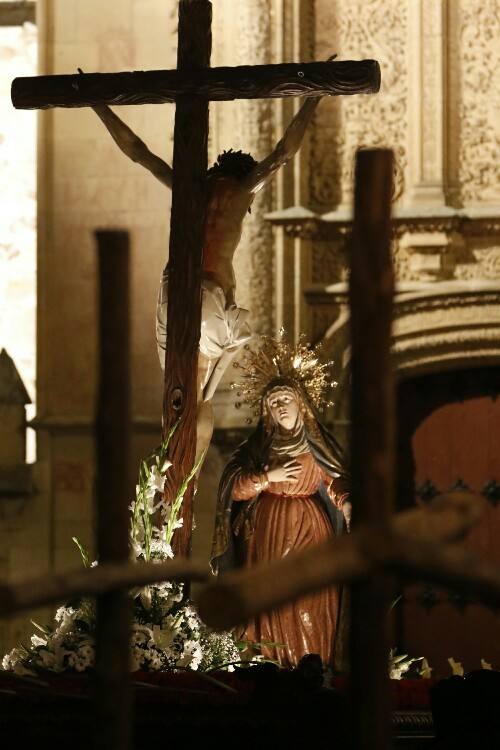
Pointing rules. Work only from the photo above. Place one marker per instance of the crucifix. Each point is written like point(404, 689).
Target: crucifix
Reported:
point(191, 86)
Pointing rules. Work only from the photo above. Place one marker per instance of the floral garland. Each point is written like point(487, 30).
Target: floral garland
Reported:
point(167, 632)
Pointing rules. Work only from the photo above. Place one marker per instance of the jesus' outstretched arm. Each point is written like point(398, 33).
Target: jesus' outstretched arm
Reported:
point(131, 145)
point(285, 149)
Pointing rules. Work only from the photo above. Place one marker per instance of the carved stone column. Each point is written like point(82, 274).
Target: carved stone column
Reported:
point(254, 261)
point(294, 35)
point(356, 29)
point(427, 38)
point(476, 75)
point(360, 29)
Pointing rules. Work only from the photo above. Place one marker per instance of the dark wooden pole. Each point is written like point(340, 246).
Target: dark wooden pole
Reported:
point(113, 691)
point(218, 84)
point(371, 294)
point(17, 13)
point(187, 228)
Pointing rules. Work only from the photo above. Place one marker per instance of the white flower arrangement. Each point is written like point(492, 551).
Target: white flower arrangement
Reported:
point(167, 632)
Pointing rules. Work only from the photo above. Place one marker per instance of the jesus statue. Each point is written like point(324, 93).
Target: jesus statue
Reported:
point(233, 182)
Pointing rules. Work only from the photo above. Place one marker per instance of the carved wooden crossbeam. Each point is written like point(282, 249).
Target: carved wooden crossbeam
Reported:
point(335, 78)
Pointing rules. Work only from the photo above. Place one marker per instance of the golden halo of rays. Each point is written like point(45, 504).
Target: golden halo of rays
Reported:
point(276, 357)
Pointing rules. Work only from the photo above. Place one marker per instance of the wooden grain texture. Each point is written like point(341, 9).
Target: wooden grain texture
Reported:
point(372, 462)
point(113, 689)
point(187, 230)
point(335, 78)
point(60, 587)
point(17, 13)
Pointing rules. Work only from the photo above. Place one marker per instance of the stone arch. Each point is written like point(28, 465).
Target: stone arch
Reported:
point(448, 326)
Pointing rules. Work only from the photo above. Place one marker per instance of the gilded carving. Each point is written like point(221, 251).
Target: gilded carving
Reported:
point(458, 354)
point(361, 29)
point(356, 30)
point(489, 262)
point(485, 265)
point(430, 118)
point(401, 258)
point(254, 133)
point(464, 254)
point(449, 316)
point(479, 166)
point(443, 342)
point(449, 328)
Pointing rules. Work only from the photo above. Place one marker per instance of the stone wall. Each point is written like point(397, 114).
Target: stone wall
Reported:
point(18, 57)
point(438, 110)
point(84, 184)
point(22, 541)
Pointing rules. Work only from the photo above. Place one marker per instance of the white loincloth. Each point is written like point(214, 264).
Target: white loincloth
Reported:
point(224, 330)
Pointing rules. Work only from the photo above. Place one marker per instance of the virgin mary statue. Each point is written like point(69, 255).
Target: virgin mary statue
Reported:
point(284, 489)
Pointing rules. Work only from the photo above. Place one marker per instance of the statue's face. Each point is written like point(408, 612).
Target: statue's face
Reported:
point(284, 408)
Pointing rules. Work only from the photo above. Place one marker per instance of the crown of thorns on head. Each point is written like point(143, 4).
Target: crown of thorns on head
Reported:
point(231, 163)
point(276, 358)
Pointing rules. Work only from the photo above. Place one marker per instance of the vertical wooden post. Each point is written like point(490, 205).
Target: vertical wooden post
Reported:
point(187, 228)
point(113, 689)
point(371, 293)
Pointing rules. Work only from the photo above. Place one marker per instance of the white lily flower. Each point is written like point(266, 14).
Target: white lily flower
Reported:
point(173, 634)
point(67, 620)
point(191, 655)
point(156, 480)
point(168, 550)
point(146, 597)
point(140, 635)
point(62, 612)
point(163, 637)
point(136, 657)
point(136, 547)
point(47, 657)
point(36, 640)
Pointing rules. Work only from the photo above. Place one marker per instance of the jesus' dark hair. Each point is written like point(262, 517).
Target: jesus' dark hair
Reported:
point(231, 163)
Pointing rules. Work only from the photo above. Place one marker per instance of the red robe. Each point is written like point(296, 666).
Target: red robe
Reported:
point(288, 518)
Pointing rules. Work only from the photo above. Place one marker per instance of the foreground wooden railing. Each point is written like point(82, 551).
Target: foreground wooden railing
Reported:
point(406, 545)
point(416, 544)
point(103, 579)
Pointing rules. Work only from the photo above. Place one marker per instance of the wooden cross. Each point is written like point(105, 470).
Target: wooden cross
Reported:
point(191, 86)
